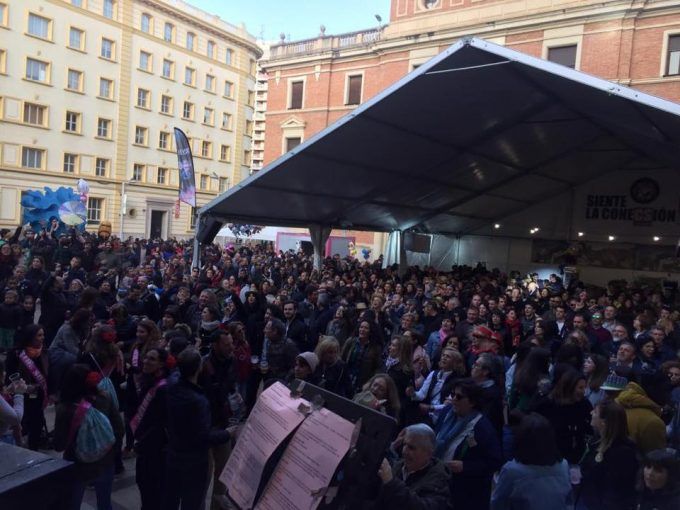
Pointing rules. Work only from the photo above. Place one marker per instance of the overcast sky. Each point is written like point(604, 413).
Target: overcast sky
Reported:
point(299, 19)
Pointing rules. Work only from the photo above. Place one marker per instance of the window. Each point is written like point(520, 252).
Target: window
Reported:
point(76, 39)
point(105, 88)
point(3, 15)
point(292, 142)
point(228, 89)
point(107, 49)
point(166, 105)
point(101, 167)
point(209, 83)
point(146, 23)
point(297, 89)
point(208, 116)
point(77, 3)
point(565, 55)
point(204, 182)
point(109, 7)
point(249, 127)
point(38, 26)
point(211, 49)
point(36, 70)
point(252, 66)
point(247, 158)
point(94, 210)
point(161, 176)
point(164, 140)
point(354, 89)
point(190, 41)
point(206, 149)
point(251, 98)
point(3, 61)
point(229, 56)
point(188, 111)
point(72, 124)
point(32, 158)
point(168, 69)
point(103, 128)
point(35, 114)
point(224, 184)
point(74, 80)
point(137, 172)
point(225, 153)
point(673, 65)
point(168, 32)
point(143, 98)
point(226, 121)
point(145, 61)
point(140, 135)
point(189, 76)
point(70, 163)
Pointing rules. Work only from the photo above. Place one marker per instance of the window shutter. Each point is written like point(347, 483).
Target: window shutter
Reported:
point(297, 89)
point(565, 55)
point(354, 90)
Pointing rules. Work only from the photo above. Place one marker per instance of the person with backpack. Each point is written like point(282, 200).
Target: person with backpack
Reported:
point(86, 428)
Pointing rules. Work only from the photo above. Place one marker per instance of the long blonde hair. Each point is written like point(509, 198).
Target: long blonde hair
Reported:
point(404, 352)
point(615, 424)
point(392, 392)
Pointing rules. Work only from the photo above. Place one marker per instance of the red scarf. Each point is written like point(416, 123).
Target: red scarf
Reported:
point(36, 374)
point(141, 411)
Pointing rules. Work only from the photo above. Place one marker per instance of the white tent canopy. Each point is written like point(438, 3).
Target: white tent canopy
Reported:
point(480, 134)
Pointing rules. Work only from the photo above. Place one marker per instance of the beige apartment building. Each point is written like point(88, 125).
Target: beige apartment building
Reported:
point(92, 89)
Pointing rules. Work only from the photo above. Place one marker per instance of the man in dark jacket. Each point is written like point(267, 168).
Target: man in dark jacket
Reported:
point(295, 326)
point(418, 481)
point(218, 380)
point(319, 319)
point(189, 437)
point(278, 352)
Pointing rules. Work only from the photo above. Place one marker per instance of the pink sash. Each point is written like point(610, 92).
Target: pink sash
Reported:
point(137, 419)
point(36, 374)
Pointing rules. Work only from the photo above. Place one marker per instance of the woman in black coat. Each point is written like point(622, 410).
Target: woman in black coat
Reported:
point(609, 467)
point(332, 372)
point(398, 367)
point(569, 412)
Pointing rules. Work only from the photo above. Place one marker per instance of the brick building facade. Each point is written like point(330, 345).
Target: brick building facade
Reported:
point(314, 82)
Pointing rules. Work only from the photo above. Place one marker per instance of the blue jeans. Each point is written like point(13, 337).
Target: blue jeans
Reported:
point(103, 485)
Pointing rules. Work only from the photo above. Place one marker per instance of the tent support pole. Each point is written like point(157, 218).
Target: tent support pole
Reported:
point(196, 259)
point(319, 235)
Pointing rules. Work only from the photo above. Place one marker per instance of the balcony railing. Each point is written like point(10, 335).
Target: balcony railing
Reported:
point(325, 43)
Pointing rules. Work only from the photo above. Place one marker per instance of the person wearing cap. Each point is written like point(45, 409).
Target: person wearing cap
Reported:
point(305, 367)
point(483, 340)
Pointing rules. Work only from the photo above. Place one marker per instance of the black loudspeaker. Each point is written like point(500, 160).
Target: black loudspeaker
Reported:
point(419, 243)
point(307, 248)
point(207, 230)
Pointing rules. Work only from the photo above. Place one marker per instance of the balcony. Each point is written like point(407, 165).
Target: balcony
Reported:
point(258, 136)
point(258, 115)
point(325, 44)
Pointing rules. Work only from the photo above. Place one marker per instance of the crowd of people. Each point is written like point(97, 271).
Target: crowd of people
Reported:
point(510, 392)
